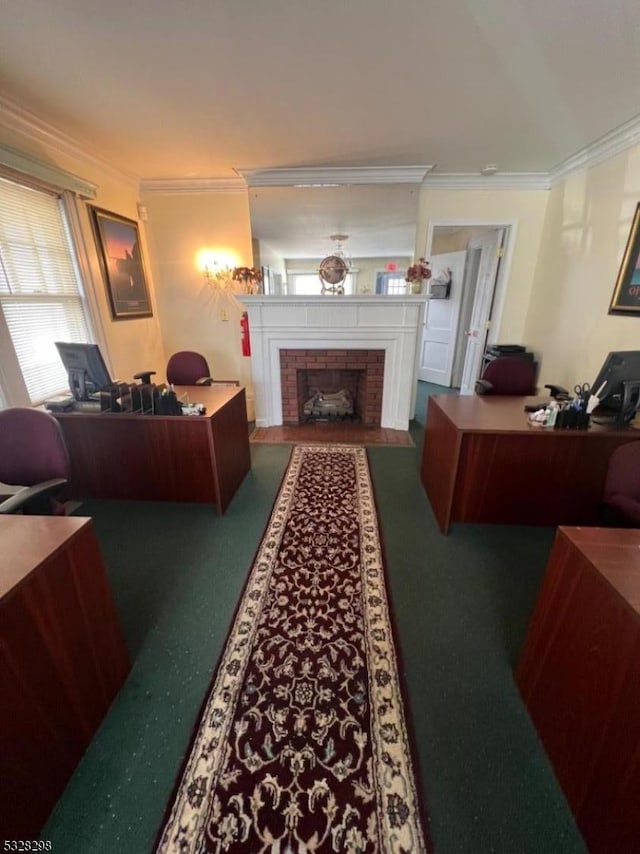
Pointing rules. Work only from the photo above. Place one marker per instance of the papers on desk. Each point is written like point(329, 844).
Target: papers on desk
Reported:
point(193, 409)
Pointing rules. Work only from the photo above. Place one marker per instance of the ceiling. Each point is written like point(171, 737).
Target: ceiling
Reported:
point(208, 88)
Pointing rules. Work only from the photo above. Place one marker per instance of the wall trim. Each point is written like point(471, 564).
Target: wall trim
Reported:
point(175, 186)
point(17, 119)
point(334, 176)
point(611, 144)
point(499, 181)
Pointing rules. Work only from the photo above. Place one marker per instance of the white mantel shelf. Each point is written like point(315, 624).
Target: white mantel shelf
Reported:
point(368, 322)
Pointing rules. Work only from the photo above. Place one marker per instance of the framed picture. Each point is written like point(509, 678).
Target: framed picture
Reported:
point(120, 255)
point(626, 294)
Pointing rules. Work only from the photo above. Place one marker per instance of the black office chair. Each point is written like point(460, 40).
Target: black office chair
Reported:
point(621, 503)
point(33, 455)
point(189, 368)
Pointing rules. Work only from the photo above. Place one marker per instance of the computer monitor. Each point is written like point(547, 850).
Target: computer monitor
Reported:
point(85, 368)
point(620, 367)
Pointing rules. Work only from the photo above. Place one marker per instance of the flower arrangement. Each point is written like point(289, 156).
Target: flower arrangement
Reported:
point(236, 280)
point(250, 278)
point(418, 273)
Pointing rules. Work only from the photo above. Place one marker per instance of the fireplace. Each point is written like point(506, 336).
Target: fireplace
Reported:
point(389, 325)
point(360, 372)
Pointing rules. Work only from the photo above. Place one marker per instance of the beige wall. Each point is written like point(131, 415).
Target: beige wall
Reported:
point(453, 241)
point(191, 316)
point(526, 209)
point(128, 345)
point(586, 230)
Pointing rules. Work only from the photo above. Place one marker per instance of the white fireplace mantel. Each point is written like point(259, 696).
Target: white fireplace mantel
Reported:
point(390, 323)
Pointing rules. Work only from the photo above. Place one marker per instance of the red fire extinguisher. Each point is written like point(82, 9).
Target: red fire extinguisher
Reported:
point(244, 327)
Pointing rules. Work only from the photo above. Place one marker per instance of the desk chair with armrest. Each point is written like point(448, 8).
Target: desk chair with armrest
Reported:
point(621, 502)
point(189, 368)
point(33, 455)
point(508, 375)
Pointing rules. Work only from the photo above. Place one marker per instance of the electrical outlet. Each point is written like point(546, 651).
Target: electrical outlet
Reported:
point(224, 314)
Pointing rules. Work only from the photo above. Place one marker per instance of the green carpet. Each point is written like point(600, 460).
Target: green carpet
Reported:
point(461, 604)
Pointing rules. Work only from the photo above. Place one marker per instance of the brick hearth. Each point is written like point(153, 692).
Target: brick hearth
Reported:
point(361, 371)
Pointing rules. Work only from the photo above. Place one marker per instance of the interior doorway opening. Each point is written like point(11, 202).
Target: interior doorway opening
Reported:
point(458, 328)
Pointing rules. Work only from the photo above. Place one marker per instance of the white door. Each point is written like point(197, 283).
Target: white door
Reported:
point(491, 245)
point(441, 323)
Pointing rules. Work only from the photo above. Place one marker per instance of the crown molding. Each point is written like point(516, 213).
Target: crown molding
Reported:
point(500, 181)
point(175, 186)
point(334, 176)
point(17, 119)
point(615, 142)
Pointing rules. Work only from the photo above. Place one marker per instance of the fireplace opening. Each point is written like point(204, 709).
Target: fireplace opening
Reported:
point(330, 395)
point(349, 381)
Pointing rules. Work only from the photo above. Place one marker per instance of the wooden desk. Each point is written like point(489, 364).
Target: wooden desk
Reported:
point(482, 462)
point(579, 674)
point(62, 661)
point(201, 458)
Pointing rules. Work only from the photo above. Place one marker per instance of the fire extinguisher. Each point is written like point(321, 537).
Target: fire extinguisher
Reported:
point(244, 327)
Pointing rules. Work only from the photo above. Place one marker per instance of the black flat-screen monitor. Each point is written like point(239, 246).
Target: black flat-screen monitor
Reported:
point(85, 368)
point(620, 366)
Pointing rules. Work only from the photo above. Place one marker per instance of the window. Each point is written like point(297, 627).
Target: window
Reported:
point(309, 284)
point(41, 298)
point(391, 283)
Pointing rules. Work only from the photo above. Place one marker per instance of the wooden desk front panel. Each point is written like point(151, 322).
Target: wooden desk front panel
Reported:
point(579, 674)
point(140, 457)
point(62, 661)
point(532, 478)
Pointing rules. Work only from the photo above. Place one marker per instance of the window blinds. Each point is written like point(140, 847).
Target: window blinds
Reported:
point(40, 289)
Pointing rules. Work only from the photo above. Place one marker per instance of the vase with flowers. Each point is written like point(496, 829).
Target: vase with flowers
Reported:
point(417, 275)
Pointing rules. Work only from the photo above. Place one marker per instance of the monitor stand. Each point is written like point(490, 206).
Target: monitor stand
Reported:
point(78, 383)
point(629, 404)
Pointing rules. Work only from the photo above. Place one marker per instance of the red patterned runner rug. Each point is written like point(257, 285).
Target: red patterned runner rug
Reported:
point(302, 745)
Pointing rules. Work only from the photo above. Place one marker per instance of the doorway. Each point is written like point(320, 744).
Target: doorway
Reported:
point(457, 330)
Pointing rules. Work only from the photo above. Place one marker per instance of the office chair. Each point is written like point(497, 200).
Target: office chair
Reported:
point(621, 503)
point(508, 375)
point(33, 455)
point(189, 368)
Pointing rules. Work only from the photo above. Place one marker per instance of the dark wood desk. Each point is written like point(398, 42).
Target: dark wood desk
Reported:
point(483, 462)
point(62, 661)
point(201, 458)
point(579, 674)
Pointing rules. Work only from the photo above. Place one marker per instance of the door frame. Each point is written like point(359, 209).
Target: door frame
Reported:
point(499, 294)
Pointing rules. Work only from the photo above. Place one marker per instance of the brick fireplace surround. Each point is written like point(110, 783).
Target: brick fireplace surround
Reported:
point(345, 325)
point(360, 371)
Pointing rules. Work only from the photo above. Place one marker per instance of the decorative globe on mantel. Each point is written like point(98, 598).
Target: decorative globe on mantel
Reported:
point(333, 269)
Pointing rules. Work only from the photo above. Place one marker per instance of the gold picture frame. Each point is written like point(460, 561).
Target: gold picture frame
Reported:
point(626, 293)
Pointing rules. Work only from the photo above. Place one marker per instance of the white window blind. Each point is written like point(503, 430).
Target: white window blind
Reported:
point(40, 290)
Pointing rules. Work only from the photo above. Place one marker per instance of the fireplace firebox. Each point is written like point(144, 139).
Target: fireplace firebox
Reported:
point(359, 373)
